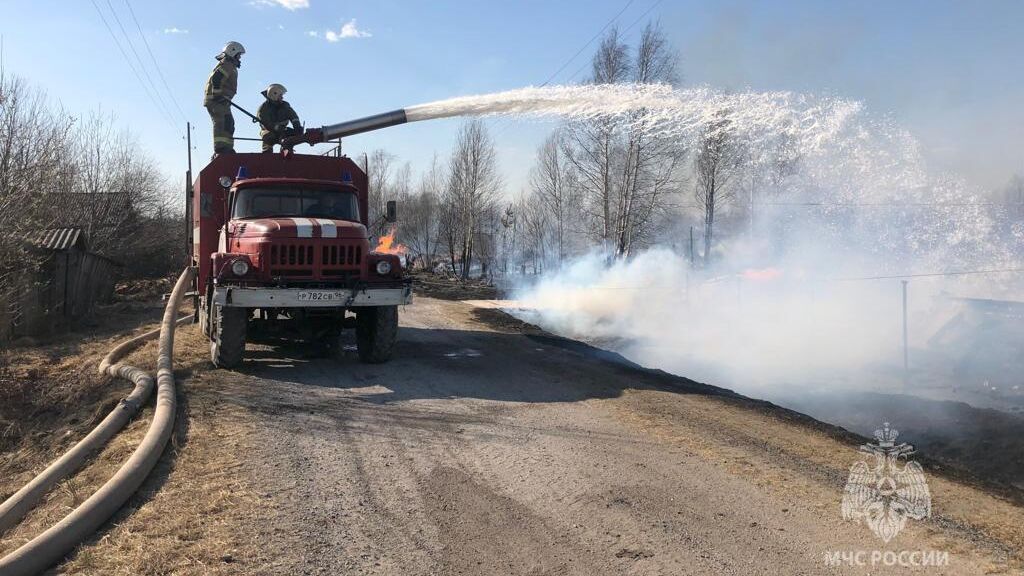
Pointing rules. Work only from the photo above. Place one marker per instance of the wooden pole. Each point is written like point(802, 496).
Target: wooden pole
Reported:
point(691, 245)
point(906, 353)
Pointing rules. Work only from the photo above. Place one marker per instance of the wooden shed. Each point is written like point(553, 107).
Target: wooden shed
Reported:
point(62, 289)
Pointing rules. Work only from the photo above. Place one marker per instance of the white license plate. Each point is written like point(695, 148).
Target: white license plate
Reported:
point(322, 296)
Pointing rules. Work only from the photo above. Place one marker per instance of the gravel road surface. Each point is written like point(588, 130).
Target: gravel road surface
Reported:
point(486, 447)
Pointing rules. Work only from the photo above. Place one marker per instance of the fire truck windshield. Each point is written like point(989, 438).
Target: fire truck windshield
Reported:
point(259, 202)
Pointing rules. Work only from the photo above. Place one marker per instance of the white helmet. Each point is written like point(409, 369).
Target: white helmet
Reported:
point(233, 49)
point(275, 92)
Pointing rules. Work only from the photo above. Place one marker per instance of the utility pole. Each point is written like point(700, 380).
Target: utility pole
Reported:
point(691, 246)
point(750, 223)
point(188, 189)
point(906, 356)
point(188, 141)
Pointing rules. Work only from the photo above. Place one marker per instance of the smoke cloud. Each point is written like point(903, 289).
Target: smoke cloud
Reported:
point(809, 296)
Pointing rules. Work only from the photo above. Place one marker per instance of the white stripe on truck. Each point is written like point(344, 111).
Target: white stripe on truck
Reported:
point(327, 228)
point(303, 227)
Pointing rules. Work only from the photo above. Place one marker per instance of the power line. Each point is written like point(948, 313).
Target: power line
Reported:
point(508, 122)
point(142, 64)
point(163, 79)
point(624, 31)
point(929, 274)
point(589, 42)
point(130, 65)
point(887, 204)
point(848, 279)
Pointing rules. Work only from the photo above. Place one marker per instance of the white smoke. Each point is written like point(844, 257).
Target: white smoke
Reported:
point(749, 329)
point(769, 332)
point(811, 296)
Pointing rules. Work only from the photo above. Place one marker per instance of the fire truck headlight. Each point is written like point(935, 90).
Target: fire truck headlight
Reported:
point(240, 267)
point(225, 181)
point(383, 267)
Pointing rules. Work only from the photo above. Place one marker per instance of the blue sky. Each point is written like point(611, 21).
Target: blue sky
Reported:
point(948, 71)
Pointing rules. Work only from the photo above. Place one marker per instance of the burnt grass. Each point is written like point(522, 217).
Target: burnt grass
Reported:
point(982, 443)
point(974, 445)
point(450, 288)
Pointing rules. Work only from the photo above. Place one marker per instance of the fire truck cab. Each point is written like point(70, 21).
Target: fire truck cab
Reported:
point(281, 248)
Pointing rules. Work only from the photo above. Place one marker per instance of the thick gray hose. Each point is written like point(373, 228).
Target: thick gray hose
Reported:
point(15, 507)
point(49, 547)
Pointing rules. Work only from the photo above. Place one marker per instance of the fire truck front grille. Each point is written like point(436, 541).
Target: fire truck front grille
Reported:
point(291, 255)
point(310, 260)
point(340, 255)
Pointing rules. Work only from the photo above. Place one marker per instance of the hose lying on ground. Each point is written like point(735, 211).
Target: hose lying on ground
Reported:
point(15, 507)
point(52, 545)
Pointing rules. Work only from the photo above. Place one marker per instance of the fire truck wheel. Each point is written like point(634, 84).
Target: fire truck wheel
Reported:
point(227, 344)
point(376, 329)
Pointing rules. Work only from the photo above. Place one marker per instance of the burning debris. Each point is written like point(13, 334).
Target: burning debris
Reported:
point(763, 274)
point(386, 244)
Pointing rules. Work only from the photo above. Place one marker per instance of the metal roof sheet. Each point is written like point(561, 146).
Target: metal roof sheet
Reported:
point(62, 239)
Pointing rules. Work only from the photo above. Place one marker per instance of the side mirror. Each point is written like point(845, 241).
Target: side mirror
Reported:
point(392, 212)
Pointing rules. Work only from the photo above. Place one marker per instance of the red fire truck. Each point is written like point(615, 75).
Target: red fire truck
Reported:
point(281, 247)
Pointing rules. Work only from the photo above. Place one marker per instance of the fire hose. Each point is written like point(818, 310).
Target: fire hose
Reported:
point(49, 547)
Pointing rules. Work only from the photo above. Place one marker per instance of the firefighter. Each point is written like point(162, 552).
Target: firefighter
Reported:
point(274, 115)
point(220, 89)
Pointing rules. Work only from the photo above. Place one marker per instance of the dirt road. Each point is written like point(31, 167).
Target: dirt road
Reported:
point(483, 450)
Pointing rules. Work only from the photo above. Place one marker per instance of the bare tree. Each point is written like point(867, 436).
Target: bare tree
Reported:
point(400, 186)
point(114, 185)
point(1013, 192)
point(648, 168)
point(655, 62)
point(718, 160)
point(61, 171)
point(33, 144)
point(535, 229)
point(379, 174)
point(553, 181)
point(472, 187)
point(509, 235)
point(626, 172)
point(420, 215)
point(591, 145)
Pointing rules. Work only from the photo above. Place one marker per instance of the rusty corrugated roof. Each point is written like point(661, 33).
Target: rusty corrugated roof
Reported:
point(62, 239)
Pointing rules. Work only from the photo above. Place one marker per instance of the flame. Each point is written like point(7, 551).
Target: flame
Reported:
point(386, 244)
point(761, 275)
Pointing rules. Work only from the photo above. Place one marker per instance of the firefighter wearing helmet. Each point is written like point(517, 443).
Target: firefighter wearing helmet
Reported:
point(274, 115)
point(220, 89)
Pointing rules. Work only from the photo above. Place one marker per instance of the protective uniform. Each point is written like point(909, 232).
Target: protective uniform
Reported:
point(274, 115)
point(221, 87)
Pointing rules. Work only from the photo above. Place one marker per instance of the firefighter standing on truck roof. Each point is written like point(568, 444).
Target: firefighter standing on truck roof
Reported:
point(274, 115)
point(220, 89)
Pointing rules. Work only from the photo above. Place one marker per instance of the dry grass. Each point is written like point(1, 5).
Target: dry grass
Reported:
point(186, 518)
point(53, 398)
point(50, 397)
point(191, 516)
point(763, 444)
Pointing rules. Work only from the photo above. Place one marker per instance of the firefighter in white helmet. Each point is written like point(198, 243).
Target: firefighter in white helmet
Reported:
point(220, 89)
point(274, 115)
